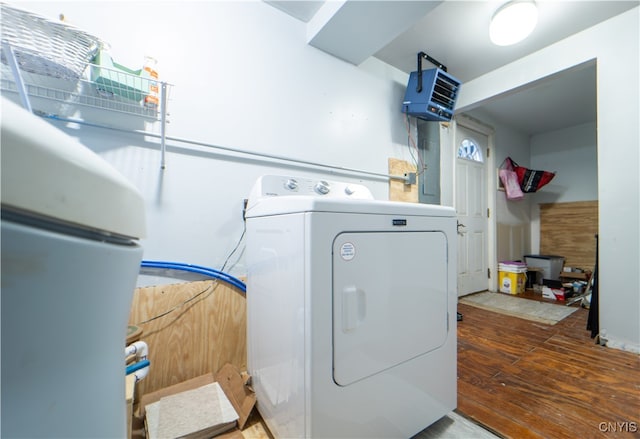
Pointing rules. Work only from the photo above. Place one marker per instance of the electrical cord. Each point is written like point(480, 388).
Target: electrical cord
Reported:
point(412, 145)
point(178, 306)
point(244, 230)
point(206, 271)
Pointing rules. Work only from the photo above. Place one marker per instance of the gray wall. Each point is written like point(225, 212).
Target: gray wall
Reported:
point(244, 78)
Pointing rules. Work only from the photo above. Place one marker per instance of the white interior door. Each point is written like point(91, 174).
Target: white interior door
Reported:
point(471, 207)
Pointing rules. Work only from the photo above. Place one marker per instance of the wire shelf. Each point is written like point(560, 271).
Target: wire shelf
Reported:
point(55, 63)
point(53, 96)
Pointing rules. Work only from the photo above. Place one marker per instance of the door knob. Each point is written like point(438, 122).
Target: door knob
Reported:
point(461, 227)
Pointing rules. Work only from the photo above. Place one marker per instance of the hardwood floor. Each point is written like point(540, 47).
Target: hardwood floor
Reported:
point(522, 379)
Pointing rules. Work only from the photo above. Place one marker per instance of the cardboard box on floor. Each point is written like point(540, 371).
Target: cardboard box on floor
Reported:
point(234, 385)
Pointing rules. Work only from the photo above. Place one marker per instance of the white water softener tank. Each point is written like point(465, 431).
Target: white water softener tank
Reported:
point(70, 261)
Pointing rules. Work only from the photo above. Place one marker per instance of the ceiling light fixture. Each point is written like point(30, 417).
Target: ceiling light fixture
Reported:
point(513, 22)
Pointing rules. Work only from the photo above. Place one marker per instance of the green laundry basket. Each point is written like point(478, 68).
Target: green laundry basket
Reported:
point(119, 80)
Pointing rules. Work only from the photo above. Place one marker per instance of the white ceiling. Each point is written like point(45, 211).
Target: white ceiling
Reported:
point(456, 33)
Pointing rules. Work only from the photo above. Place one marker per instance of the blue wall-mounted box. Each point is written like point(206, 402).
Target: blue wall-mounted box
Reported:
point(432, 97)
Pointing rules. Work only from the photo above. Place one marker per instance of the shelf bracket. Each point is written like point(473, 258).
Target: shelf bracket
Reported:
point(163, 124)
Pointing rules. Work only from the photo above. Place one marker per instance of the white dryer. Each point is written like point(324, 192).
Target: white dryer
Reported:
point(351, 310)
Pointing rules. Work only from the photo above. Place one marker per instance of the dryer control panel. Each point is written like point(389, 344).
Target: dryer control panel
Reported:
point(275, 185)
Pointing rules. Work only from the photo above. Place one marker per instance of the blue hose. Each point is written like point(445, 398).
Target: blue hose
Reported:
point(199, 269)
point(137, 366)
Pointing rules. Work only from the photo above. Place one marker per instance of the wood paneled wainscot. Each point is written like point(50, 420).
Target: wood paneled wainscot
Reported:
point(569, 229)
point(191, 329)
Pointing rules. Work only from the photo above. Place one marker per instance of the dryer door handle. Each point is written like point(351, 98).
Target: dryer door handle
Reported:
point(353, 307)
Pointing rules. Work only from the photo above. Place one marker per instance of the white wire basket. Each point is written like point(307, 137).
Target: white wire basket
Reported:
point(45, 47)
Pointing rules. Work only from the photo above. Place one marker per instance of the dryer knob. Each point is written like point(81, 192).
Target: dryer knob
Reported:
point(349, 190)
point(322, 187)
point(291, 184)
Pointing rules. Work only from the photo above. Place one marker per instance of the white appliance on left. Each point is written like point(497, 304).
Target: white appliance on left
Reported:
point(70, 261)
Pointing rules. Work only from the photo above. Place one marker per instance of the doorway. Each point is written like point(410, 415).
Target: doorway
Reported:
point(471, 146)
